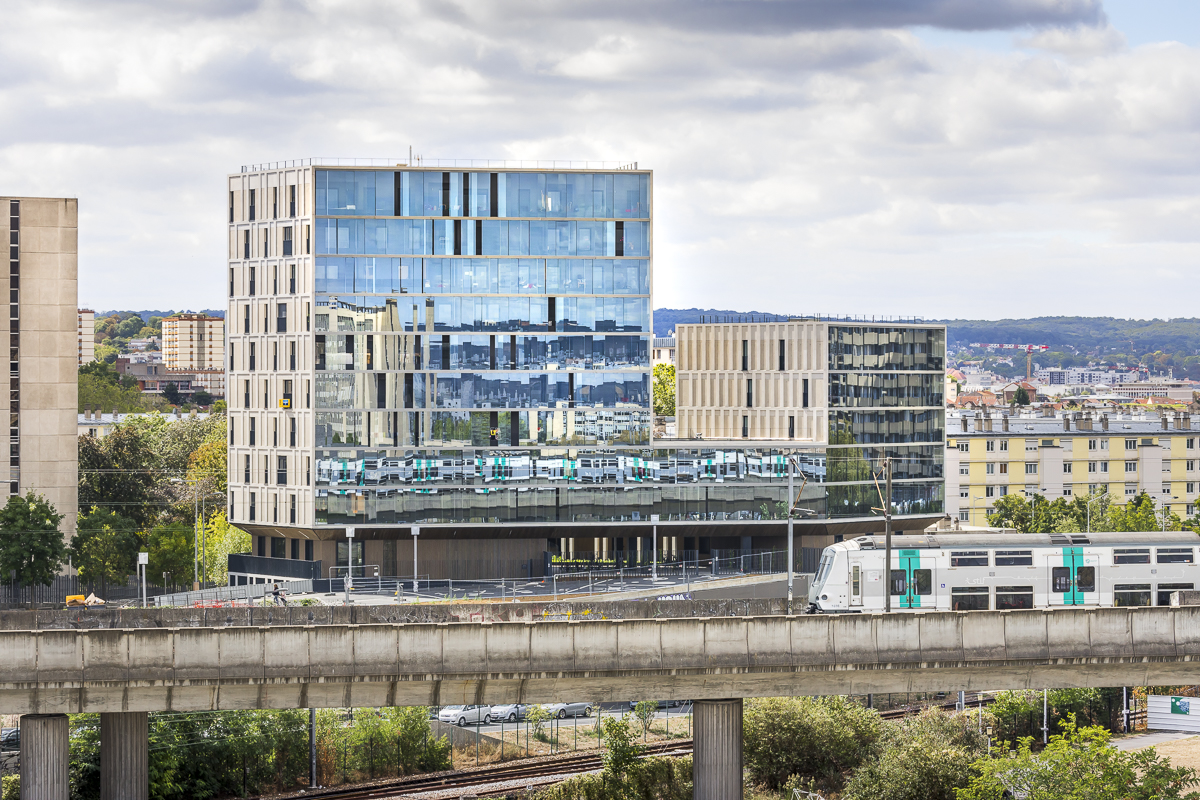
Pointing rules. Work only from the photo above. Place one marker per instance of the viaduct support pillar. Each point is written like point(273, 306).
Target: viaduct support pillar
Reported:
point(717, 749)
point(124, 756)
point(45, 756)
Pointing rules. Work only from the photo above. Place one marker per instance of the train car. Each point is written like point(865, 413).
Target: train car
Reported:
point(998, 571)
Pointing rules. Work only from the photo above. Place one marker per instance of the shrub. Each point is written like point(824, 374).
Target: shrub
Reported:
point(649, 779)
point(644, 711)
point(621, 749)
point(926, 757)
point(10, 787)
point(821, 738)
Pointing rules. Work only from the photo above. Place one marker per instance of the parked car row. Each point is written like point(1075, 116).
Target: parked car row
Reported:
point(485, 715)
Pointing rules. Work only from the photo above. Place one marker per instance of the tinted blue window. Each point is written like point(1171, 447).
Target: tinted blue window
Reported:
point(518, 238)
point(495, 238)
point(385, 194)
point(326, 234)
point(579, 195)
point(637, 239)
point(590, 238)
point(351, 236)
point(434, 201)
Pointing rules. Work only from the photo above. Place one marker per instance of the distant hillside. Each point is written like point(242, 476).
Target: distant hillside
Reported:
point(665, 319)
point(1099, 336)
point(146, 315)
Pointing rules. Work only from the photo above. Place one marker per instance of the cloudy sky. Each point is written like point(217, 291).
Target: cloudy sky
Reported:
point(944, 158)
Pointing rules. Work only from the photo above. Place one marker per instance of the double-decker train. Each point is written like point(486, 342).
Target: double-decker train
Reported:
point(980, 571)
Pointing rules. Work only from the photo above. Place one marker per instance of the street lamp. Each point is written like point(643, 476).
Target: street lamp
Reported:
point(198, 532)
point(793, 499)
point(1095, 499)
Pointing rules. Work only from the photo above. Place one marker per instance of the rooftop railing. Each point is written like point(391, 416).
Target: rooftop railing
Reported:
point(418, 161)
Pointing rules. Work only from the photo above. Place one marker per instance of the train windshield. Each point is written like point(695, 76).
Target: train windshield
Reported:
point(825, 566)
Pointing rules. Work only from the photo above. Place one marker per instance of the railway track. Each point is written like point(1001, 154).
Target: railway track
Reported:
point(568, 766)
point(488, 776)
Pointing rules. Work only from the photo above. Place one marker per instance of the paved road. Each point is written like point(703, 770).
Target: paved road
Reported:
point(368, 592)
point(1149, 739)
point(676, 715)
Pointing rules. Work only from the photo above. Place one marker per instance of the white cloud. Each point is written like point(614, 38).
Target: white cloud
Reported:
point(802, 162)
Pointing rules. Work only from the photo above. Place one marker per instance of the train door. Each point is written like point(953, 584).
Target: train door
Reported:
point(856, 582)
point(1073, 578)
point(912, 581)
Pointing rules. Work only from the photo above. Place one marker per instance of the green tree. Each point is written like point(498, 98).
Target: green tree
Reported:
point(644, 712)
point(621, 749)
point(1079, 764)
point(220, 540)
point(664, 390)
point(172, 551)
point(171, 394)
point(1021, 398)
point(31, 545)
point(822, 738)
point(117, 473)
point(105, 548)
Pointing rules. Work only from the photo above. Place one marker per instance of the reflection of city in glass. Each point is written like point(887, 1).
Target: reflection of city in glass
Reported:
point(478, 310)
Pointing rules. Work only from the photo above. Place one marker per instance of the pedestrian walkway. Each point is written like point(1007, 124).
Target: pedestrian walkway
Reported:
point(1149, 739)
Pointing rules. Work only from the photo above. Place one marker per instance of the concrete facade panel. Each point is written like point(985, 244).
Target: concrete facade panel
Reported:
point(286, 651)
point(198, 654)
point(334, 649)
point(1111, 633)
point(105, 655)
point(1068, 636)
point(595, 647)
point(854, 638)
point(463, 646)
point(1025, 634)
point(725, 642)
point(507, 647)
point(241, 653)
point(1153, 634)
point(420, 648)
point(941, 637)
point(376, 650)
point(60, 656)
point(812, 640)
point(770, 641)
point(554, 645)
point(682, 644)
point(898, 636)
point(639, 644)
point(983, 636)
point(1187, 630)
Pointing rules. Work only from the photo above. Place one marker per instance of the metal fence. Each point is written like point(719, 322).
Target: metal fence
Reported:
point(763, 562)
point(113, 593)
point(583, 562)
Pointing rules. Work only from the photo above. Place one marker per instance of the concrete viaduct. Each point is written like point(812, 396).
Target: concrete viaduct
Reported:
point(124, 673)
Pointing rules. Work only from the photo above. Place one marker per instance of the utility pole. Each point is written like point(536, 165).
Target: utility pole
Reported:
point(887, 535)
point(312, 748)
point(791, 535)
point(349, 563)
point(653, 549)
point(416, 531)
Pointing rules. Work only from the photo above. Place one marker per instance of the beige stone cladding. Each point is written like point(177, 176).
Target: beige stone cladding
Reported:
point(727, 371)
point(43, 451)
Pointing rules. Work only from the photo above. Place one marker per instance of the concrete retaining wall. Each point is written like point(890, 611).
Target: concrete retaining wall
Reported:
point(83, 618)
point(187, 669)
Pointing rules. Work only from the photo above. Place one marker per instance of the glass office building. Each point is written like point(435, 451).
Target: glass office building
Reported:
point(467, 350)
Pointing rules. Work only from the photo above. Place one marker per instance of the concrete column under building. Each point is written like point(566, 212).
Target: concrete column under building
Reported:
point(124, 756)
point(717, 749)
point(45, 756)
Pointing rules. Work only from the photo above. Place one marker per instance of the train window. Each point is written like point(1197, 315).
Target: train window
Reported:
point(922, 581)
point(1014, 597)
point(969, 598)
point(1131, 594)
point(1060, 579)
point(899, 582)
point(1014, 558)
point(855, 581)
point(1165, 589)
point(1134, 555)
point(969, 558)
point(1175, 555)
point(1085, 579)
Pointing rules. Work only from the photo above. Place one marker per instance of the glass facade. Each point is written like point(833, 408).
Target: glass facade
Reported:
point(886, 400)
point(485, 310)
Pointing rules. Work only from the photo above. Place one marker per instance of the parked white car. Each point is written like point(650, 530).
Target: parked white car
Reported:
point(563, 710)
point(465, 715)
point(510, 712)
